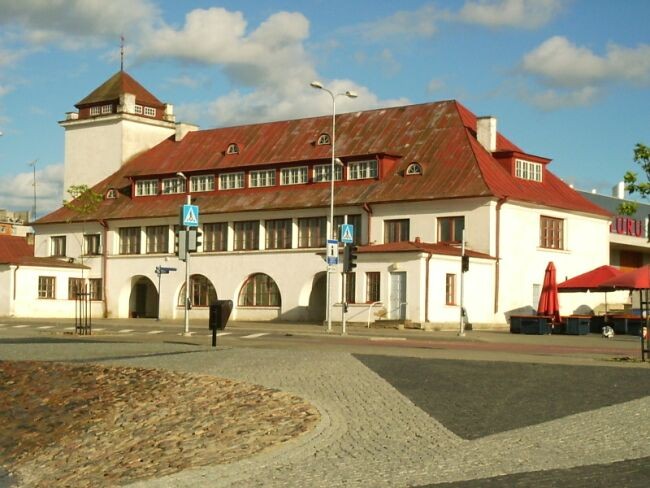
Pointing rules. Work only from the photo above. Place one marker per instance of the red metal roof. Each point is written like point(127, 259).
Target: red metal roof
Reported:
point(119, 84)
point(440, 248)
point(16, 250)
point(440, 136)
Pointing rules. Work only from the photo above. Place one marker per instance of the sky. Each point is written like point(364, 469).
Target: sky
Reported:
point(566, 79)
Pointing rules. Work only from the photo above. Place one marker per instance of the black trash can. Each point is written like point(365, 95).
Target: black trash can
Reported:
point(219, 314)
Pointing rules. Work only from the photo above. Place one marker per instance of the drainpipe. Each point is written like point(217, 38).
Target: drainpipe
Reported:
point(12, 312)
point(426, 290)
point(104, 225)
point(500, 202)
point(368, 210)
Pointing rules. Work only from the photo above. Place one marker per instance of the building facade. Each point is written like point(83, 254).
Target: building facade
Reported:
point(412, 181)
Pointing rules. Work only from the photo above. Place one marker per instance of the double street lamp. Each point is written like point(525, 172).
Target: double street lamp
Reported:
point(350, 94)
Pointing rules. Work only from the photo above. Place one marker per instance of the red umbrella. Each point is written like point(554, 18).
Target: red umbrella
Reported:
point(548, 299)
point(591, 280)
point(638, 279)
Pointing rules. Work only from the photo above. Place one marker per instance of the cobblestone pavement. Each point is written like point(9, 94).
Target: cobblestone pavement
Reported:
point(370, 434)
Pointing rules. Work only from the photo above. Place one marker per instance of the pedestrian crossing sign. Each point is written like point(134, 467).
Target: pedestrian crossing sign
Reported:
point(190, 216)
point(347, 233)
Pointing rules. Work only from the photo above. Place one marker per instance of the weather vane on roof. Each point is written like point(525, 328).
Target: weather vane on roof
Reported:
point(122, 52)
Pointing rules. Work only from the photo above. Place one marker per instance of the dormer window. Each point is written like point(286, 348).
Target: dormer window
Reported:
point(150, 111)
point(146, 188)
point(527, 170)
point(414, 169)
point(173, 185)
point(107, 109)
point(232, 149)
point(111, 194)
point(324, 140)
point(362, 170)
point(95, 110)
point(138, 109)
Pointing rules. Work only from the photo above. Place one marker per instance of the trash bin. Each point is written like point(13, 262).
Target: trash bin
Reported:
point(219, 314)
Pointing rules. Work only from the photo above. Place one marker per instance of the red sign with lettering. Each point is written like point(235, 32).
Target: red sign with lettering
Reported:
point(628, 226)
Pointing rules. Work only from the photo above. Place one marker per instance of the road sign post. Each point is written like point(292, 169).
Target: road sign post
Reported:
point(161, 270)
point(189, 219)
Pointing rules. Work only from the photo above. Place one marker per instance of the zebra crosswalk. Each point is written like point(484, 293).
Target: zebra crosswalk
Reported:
point(126, 332)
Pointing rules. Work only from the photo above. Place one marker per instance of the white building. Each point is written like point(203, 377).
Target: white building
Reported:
point(412, 178)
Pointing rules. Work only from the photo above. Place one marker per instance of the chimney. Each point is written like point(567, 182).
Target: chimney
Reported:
point(182, 128)
point(618, 191)
point(486, 132)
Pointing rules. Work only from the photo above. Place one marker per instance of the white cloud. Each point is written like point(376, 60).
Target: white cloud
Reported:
point(435, 85)
point(553, 99)
point(559, 63)
point(18, 191)
point(405, 23)
point(527, 14)
point(72, 24)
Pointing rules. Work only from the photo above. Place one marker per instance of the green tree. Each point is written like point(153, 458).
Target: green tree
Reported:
point(84, 202)
point(632, 184)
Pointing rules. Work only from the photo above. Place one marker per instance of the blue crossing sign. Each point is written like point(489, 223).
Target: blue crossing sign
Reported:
point(190, 216)
point(347, 233)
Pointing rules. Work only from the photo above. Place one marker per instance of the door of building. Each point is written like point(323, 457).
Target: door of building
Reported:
point(397, 305)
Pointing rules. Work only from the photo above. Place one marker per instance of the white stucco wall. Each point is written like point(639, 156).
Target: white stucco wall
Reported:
point(523, 262)
point(96, 148)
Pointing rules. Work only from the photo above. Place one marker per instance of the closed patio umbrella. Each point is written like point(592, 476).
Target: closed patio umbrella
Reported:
point(549, 303)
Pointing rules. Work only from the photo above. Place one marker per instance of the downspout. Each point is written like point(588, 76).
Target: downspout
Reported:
point(368, 210)
point(426, 290)
point(500, 202)
point(104, 225)
point(12, 312)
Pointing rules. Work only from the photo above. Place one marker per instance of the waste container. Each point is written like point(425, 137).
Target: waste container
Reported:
point(219, 314)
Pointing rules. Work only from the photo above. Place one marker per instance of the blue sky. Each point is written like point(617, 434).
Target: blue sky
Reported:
point(566, 79)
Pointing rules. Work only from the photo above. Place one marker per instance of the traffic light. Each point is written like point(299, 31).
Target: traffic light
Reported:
point(349, 258)
point(180, 244)
point(194, 240)
point(465, 263)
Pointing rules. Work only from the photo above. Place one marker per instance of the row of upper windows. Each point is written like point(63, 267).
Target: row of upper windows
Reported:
point(109, 108)
point(357, 170)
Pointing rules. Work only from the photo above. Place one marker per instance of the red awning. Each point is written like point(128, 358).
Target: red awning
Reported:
point(591, 280)
point(639, 279)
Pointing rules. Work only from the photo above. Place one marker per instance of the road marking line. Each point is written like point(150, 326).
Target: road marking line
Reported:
point(186, 334)
point(155, 332)
point(219, 334)
point(255, 336)
point(98, 330)
point(388, 338)
point(20, 326)
point(45, 327)
point(125, 331)
point(69, 328)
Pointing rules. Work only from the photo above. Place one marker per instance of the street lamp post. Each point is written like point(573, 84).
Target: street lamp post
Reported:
point(187, 260)
point(350, 94)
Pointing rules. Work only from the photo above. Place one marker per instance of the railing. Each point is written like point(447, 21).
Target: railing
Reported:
point(370, 309)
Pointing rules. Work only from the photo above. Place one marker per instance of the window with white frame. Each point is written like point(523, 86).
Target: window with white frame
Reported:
point(361, 170)
point(173, 185)
point(95, 110)
point(150, 111)
point(324, 140)
point(46, 287)
point(261, 178)
point(323, 172)
point(107, 109)
point(231, 181)
point(138, 109)
point(95, 288)
point(232, 149)
point(527, 170)
point(215, 236)
point(57, 246)
point(246, 235)
point(293, 176)
point(157, 239)
point(129, 240)
point(92, 244)
point(146, 188)
point(201, 183)
point(450, 289)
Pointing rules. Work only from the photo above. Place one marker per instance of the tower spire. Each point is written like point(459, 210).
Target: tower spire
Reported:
point(122, 52)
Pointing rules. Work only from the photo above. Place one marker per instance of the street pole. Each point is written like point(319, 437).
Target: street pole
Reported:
point(159, 273)
point(187, 274)
point(461, 325)
point(332, 233)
